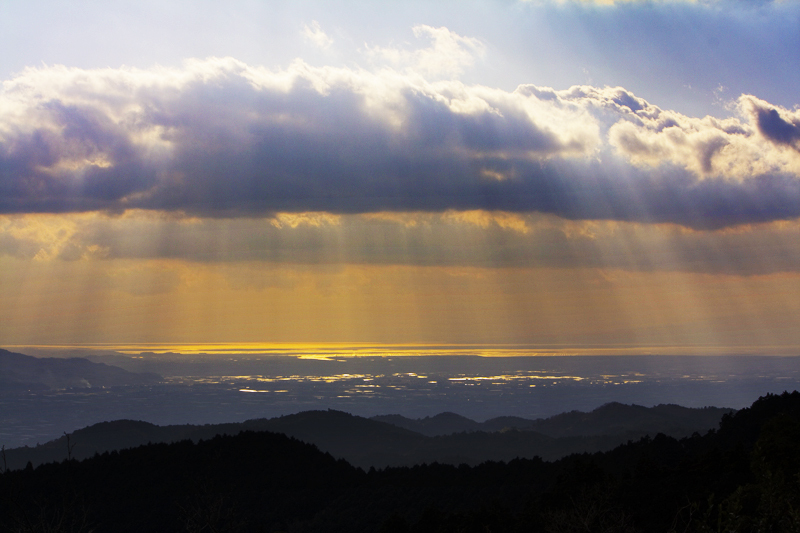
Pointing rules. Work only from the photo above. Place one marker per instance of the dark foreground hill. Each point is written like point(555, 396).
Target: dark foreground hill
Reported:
point(397, 441)
point(742, 477)
point(19, 372)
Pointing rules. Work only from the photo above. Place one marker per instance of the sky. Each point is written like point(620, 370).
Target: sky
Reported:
point(537, 172)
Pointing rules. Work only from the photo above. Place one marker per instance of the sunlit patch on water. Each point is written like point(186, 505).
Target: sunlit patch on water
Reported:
point(337, 351)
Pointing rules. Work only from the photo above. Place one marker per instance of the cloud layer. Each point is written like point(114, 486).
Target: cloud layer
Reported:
point(220, 138)
point(453, 239)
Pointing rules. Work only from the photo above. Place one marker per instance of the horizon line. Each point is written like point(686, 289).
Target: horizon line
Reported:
point(378, 349)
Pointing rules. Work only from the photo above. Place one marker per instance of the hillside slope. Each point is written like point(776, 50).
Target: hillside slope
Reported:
point(19, 372)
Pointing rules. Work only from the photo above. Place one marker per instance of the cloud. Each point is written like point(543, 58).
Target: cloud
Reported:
point(777, 124)
point(219, 138)
point(708, 147)
point(449, 54)
point(452, 238)
point(315, 35)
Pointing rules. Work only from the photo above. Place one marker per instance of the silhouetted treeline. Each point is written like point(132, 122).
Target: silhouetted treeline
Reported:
point(742, 477)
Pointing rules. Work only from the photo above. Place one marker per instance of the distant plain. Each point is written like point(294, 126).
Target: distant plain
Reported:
point(205, 388)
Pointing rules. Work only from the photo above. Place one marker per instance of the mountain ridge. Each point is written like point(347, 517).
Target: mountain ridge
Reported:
point(368, 442)
point(19, 372)
point(609, 418)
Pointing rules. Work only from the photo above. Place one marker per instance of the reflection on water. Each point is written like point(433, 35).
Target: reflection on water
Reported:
point(410, 381)
point(405, 378)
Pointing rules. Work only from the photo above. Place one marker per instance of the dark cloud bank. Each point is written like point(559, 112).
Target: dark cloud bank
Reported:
point(221, 139)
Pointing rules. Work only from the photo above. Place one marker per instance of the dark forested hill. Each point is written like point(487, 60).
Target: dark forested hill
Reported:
point(363, 442)
point(610, 419)
point(218, 484)
point(20, 372)
point(742, 477)
point(378, 442)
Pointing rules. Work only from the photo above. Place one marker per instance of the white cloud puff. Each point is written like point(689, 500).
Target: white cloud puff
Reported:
point(316, 36)
point(448, 56)
point(709, 147)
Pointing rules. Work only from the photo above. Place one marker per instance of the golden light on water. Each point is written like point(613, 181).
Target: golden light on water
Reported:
point(329, 351)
